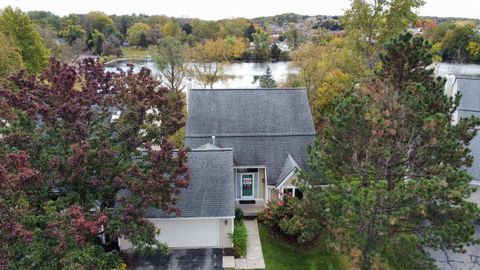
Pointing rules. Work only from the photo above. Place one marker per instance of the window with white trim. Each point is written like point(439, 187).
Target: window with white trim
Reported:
point(292, 191)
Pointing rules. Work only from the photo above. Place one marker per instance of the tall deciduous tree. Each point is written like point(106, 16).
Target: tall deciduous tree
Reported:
point(327, 70)
point(72, 32)
point(393, 162)
point(15, 24)
point(99, 21)
point(170, 60)
point(371, 23)
point(71, 174)
point(209, 60)
point(10, 56)
point(134, 33)
point(97, 41)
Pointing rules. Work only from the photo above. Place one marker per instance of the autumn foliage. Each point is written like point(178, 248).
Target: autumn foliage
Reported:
point(83, 154)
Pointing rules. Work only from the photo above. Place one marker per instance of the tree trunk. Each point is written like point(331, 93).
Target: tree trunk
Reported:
point(366, 259)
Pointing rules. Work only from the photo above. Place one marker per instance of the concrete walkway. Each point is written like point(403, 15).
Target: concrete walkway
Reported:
point(254, 258)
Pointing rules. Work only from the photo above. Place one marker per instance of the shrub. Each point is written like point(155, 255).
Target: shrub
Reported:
point(282, 215)
point(239, 214)
point(239, 239)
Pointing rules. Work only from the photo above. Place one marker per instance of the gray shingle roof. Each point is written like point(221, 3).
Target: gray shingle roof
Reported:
point(470, 90)
point(288, 166)
point(248, 112)
point(211, 191)
point(263, 126)
point(470, 106)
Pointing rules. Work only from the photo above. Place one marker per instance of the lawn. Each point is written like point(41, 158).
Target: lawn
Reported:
point(279, 255)
point(134, 52)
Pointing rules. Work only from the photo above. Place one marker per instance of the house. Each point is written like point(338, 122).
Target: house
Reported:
point(469, 105)
point(247, 147)
point(269, 131)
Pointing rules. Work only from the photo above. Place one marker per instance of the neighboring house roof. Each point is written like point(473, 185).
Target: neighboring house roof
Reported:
point(263, 126)
point(210, 192)
point(469, 105)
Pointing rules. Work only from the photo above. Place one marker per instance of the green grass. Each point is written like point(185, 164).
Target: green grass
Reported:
point(134, 52)
point(279, 255)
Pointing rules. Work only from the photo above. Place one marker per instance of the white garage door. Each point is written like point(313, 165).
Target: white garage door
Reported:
point(181, 233)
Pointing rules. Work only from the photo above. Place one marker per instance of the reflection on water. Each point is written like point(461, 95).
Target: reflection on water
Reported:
point(238, 75)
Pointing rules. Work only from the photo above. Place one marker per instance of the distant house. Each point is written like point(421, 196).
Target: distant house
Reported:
point(248, 146)
point(469, 105)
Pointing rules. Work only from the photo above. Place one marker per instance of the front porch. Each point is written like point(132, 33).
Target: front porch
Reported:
point(250, 189)
point(250, 209)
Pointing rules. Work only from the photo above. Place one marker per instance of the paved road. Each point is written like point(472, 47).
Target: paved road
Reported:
point(459, 261)
point(180, 259)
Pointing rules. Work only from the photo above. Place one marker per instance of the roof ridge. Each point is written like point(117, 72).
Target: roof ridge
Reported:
point(252, 135)
point(293, 161)
point(466, 77)
point(211, 150)
point(244, 89)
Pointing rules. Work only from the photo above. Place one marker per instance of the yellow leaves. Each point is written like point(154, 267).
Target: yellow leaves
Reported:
point(235, 47)
point(436, 51)
point(211, 50)
point(473, 48)
point(171, 29)
point(335, 83)
point(135, 31)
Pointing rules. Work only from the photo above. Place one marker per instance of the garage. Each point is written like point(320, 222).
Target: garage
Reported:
point(206, 207)
point(188, 233)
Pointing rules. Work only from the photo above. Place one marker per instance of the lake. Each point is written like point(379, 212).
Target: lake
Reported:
point(238, 75)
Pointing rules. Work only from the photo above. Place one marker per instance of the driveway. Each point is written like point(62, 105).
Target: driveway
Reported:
point(470, 260)
point(180, 259)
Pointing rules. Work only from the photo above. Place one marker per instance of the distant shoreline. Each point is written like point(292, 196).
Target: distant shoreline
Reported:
point(149, 59)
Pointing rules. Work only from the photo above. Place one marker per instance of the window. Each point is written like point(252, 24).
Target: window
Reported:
point(289, 191)
point(292, 191)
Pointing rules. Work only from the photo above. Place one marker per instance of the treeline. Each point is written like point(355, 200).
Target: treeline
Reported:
point(453, 41)
point(105, 35)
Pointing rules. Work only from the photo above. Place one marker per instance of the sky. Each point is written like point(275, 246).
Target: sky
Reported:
point(219, 9)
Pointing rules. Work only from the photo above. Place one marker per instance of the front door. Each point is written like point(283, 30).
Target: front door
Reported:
point(247, 185)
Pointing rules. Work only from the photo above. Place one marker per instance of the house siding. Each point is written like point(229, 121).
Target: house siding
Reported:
point(291, 181)
point(261, 183)
point(224, 233)
point(273, 194)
